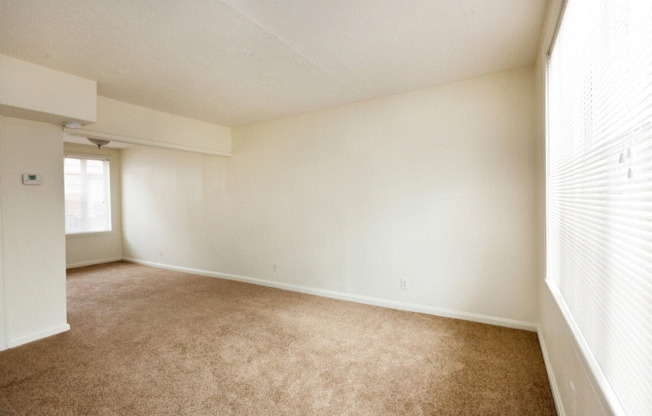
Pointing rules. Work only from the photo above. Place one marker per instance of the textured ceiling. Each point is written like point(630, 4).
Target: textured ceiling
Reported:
point(233, 62)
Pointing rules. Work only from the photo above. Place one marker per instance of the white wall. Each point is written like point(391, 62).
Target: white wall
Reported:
point(436, 185)
point(565, 361)
point(94, 248)
point(174, 207)
point(33, 244)
point(39, 93)
point(567, 367)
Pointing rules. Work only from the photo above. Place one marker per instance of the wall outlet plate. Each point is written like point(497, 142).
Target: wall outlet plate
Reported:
point(404, 284)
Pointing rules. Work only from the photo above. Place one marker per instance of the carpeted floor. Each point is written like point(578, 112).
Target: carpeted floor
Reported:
point(146, 341)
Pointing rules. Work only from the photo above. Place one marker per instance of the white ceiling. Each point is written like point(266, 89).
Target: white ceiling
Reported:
point(233, 62)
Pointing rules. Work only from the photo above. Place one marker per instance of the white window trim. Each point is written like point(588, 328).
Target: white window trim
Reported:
point(89, 234)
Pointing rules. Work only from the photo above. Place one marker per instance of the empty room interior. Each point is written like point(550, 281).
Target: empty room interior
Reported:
point(309, 207)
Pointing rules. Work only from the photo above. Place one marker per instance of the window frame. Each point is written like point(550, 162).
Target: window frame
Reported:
point(104, 158)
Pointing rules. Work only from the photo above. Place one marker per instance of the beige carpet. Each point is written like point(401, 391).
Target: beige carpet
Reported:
point(146, 341)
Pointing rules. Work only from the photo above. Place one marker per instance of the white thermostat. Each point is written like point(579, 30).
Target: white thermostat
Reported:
point(31, 179)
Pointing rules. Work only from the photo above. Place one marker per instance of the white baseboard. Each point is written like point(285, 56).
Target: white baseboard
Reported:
point(411, 307)
point(556, 395)
point(11, 343)
point(92, 262)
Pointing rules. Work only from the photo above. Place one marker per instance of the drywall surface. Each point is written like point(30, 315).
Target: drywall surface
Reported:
point(565, 360)
point(33, 243)
point(38, 93)
point(147, 126)
point(174, 207)
point(435, 186)
point(94, 248)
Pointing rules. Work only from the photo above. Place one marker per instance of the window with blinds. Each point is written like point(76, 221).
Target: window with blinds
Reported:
point(599, 189)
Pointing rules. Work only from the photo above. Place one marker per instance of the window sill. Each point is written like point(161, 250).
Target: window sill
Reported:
point(91, 234)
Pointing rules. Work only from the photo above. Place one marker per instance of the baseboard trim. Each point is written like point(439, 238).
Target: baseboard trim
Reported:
point(12, 343)
point(410, 307)
point(556, 395)
point(92, 262)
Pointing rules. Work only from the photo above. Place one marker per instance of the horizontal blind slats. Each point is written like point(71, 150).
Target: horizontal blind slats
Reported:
point(599, 186)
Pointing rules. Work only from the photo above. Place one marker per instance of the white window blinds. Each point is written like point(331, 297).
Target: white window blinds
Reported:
point(600, 188)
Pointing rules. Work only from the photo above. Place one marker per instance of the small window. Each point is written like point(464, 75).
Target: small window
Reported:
point(88, 195)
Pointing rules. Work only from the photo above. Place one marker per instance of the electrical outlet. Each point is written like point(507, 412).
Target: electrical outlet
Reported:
point(404, 284)
point(275, 267)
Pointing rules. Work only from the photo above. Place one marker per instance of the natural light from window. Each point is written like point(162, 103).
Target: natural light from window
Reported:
point(87, 195)
point(599, 184)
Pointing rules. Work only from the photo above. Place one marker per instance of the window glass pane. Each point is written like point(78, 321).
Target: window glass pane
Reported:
point(87, 195)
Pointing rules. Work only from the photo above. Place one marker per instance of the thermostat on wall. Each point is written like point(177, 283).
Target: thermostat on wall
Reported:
point(31, 179)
